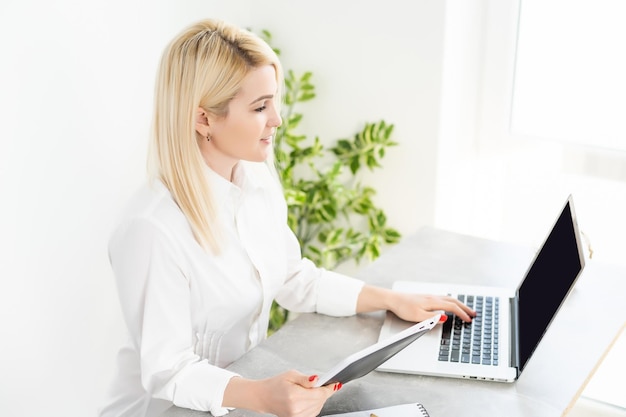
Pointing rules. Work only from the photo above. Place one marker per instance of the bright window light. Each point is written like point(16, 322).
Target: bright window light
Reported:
point(570, 72)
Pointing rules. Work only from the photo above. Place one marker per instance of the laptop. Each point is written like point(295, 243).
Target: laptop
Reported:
point(500, 341)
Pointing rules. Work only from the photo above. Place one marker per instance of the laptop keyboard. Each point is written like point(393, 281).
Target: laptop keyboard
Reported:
point(475, 342)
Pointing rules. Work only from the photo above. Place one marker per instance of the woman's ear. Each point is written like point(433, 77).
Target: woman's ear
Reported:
point(202, 122)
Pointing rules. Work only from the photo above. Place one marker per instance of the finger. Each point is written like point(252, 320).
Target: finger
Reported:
point(332, 388)
point(455, 301)
point(308, 381)
point(462, 311)
point(471, 312)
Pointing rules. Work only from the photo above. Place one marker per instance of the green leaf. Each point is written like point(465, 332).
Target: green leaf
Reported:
point(306, 96)
point(294, 120)
point(332, 215)
point(355, 164)
point(391, 235)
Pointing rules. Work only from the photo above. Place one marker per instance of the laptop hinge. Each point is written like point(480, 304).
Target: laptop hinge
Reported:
point(514, 351)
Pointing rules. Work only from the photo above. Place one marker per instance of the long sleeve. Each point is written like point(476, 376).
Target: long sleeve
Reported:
point(309, 288)
point(191, 313)
point(155, 298)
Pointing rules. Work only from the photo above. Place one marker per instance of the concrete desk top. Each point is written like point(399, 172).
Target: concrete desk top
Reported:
point(589, 321)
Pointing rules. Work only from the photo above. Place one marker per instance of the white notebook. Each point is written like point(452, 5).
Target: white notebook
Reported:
point(402, 410)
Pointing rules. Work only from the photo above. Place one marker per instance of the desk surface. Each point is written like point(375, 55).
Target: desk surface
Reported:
point(589, 320)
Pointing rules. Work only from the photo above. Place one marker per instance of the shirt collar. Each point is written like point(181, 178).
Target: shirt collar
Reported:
point(244, 175)
point(243, 180)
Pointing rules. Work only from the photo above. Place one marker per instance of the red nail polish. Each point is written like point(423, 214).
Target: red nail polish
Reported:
point(312, 378)
point(339, 385)
point(443, 318)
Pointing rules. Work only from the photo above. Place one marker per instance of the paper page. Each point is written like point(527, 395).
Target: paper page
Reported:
point(403, 410)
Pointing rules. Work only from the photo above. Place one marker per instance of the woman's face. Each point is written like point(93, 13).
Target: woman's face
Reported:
point(247, 130)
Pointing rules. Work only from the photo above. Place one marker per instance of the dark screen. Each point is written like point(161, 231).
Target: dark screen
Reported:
point(547, 283)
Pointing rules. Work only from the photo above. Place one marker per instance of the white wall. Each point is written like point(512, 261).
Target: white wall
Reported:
point(75, 97)
point(373, 60)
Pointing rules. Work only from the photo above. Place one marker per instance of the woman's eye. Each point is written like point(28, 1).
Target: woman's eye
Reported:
point(260, 109)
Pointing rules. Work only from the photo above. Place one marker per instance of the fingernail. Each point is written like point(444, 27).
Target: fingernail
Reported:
point(443, 318)
point(312, 378)
point(339, 385)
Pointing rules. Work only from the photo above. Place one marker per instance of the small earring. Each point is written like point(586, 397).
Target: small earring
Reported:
point(208, 137)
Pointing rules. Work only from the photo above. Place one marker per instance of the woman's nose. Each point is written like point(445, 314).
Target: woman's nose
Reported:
point(276, 120)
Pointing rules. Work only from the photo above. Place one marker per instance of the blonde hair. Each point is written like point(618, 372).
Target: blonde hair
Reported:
point(203, 66)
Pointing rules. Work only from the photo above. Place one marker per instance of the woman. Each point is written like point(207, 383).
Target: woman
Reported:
point(204, 247)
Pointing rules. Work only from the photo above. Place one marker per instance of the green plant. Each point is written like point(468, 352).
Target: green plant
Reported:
point(330, 211)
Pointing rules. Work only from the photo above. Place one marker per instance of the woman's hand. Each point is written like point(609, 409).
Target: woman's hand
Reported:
point(411, 307)
point(418, 307)
point(290, 394)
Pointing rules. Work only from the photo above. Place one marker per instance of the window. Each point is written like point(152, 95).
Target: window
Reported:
point(570, 72)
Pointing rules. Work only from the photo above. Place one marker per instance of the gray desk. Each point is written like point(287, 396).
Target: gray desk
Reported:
point(589, 320)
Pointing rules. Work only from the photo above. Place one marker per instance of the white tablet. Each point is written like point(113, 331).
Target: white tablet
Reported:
point(363, 362)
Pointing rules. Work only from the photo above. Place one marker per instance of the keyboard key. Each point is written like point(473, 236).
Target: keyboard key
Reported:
point(474, 342)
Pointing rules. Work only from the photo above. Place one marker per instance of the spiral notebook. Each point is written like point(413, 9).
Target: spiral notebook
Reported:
point(402, 410)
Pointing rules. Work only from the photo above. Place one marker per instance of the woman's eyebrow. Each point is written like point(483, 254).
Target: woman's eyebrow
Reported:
point(265, 97)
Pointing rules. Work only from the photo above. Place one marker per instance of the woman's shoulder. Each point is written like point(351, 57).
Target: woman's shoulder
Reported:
point(150, 220)
point(147, 200)
point(152, 203)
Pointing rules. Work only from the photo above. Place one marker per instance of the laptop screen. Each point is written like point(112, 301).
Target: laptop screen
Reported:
point(548, 281)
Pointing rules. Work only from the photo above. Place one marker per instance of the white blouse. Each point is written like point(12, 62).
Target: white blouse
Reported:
point(190, 313)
